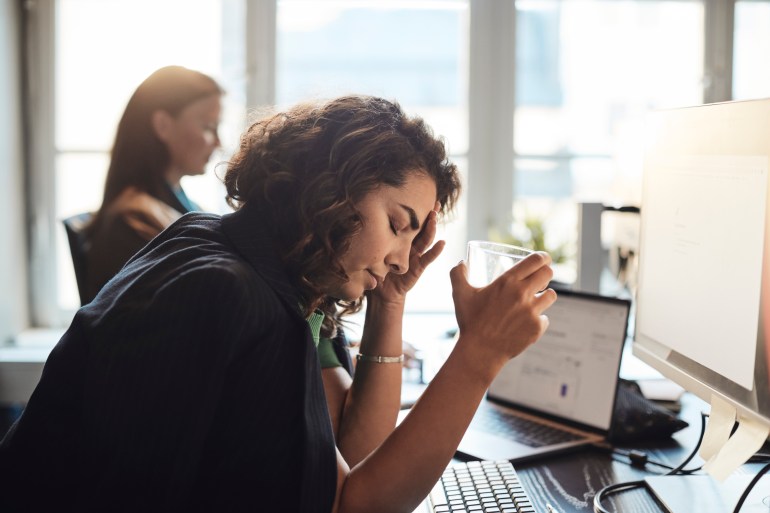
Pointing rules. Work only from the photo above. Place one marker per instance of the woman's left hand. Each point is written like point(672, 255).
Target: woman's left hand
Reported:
point(395, 286)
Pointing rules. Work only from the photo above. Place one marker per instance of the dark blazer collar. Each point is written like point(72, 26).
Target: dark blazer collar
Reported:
point(247, 230)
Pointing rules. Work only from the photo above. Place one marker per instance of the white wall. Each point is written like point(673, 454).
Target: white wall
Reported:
point(14, 296)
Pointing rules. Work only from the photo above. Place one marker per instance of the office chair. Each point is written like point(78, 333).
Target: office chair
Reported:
point(74, 226)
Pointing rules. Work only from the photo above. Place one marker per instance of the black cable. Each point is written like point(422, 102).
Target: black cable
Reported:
point(613, 488)
point(694, 451)
point(640, 459)
point(751, 484)
point(629, 485)
point(637, 459)
point(760, 457)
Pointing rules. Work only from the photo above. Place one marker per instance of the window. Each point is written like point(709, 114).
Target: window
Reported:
point(541, 101)
point(587, 72)
point(751, 75)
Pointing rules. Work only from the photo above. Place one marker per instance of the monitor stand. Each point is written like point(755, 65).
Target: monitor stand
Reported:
point(702, 493)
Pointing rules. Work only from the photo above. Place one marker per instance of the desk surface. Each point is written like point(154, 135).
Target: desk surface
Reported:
point(569, 482)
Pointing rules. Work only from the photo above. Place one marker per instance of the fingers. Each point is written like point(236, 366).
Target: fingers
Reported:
point(507, 315)
point(545, 299)
point(544, 323)
point(459, 274)
point(459, 278)
point(540, 279)
point(534, 273)
point(425, 238)
point(432, 254)
point(531, 264)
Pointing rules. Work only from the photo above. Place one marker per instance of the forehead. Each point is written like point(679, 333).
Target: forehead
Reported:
point(420, 185)
point(418, 192)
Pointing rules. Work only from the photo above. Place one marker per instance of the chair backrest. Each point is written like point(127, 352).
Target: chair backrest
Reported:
point(74, 226)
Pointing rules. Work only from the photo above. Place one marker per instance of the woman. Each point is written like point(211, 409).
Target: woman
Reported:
point(196, 380)
point(168, 130)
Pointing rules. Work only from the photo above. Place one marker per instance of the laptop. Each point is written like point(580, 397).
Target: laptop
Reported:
point(559, 394)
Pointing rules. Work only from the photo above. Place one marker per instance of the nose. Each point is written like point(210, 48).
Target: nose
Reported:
point(398, 259)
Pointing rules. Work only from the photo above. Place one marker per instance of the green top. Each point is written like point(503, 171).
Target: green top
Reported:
point(326, 353)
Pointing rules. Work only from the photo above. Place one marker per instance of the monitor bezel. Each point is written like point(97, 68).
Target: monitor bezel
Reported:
point(712, 130)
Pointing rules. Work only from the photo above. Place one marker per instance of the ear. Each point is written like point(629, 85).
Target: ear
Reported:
point(162, 124)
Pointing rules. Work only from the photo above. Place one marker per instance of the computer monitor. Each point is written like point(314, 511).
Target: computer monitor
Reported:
point(703, 296)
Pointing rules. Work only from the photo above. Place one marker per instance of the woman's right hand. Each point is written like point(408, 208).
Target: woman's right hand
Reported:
point(496, 322)
point(500, 320)
point(147, 215)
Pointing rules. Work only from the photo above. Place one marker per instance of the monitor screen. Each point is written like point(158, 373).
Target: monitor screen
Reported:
point(704, 281)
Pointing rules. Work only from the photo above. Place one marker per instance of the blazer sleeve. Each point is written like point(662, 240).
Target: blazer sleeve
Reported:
point(217, 394)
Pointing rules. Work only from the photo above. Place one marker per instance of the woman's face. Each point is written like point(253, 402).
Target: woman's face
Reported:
point(392, 218)
point(192, 137)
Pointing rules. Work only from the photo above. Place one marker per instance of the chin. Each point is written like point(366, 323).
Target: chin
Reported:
point(351, 296)
point(348, 292)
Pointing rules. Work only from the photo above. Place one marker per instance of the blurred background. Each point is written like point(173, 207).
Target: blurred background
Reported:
point(542, 104)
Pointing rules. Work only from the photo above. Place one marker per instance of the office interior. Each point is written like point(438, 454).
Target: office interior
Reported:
point(542, 104)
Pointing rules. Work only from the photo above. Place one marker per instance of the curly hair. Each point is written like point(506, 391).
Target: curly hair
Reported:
point(309, 167)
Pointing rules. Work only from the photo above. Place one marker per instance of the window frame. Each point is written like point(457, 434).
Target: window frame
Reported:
point(39, 99)
point(491, 104)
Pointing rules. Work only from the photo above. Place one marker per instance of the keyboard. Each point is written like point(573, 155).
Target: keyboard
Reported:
point(521, 429)
point(480, 487)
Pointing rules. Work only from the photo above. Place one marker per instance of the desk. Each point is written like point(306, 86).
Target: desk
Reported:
point(569, 482)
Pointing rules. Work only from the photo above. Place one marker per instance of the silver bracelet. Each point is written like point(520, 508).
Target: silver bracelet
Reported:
point(380, 359)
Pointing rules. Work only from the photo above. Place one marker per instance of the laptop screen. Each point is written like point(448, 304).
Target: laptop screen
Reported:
point(572, 371)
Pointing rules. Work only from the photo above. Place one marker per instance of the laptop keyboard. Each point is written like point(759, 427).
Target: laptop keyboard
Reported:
point(520, 429)
point(480, 487)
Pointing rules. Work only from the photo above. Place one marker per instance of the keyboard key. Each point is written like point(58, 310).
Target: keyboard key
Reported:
point(480, 487)
point(437, 495)
point(521, 429)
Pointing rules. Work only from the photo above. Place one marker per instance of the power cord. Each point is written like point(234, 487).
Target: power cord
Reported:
point(749, 487)
point(641, 460)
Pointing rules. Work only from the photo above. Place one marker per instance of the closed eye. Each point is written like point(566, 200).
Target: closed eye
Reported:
point(414, 223)
point(393, 227)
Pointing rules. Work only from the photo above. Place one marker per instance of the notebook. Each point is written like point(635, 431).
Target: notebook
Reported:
point(559, 394)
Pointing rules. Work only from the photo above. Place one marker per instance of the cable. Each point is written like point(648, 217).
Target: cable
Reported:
point(694, 451)
point(613, 488)
point(640, 459)
point(751, 484)
point(637, 459)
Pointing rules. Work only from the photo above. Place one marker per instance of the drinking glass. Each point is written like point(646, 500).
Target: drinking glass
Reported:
point(487, 260)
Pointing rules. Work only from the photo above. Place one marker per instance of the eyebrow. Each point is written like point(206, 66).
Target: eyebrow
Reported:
point(414, 223)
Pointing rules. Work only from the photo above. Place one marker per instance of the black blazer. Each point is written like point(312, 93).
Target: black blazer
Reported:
point(112, 242)
point(191, 383)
